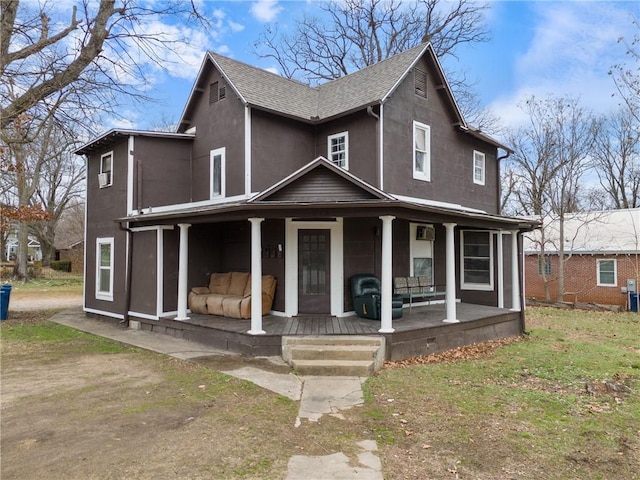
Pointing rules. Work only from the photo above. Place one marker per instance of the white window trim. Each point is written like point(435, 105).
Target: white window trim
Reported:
point(104, 295)
point(476, 286)
point(482, 157)
point(108, 154)
point(346, 148)
point(615, 272)
point(222, 153)
point(419, 175)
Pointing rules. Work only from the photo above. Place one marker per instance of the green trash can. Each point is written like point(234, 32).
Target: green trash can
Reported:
point(5, 295)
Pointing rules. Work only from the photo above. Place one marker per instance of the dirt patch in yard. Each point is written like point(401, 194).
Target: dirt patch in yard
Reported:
point(77, 406)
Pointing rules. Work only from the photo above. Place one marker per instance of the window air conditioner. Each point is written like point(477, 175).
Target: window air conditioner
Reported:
point(103, 178)
point(424, 232)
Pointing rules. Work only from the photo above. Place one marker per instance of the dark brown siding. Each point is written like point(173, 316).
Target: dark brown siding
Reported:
point(171, 253)
point(451, 151)
point(363, 144)
point(279, 148)
point(362, 247)
point(162, 172)
point(273, 235)
point(218, 125)
point(144, 272)
point(104, 205)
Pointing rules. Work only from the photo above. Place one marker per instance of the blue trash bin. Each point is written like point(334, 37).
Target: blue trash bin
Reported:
point(633, 301)
point(5, 294)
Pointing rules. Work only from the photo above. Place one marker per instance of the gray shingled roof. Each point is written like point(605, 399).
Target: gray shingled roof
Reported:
point(365, 87)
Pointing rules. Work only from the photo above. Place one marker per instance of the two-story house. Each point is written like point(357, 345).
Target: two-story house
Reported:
point(376, 172)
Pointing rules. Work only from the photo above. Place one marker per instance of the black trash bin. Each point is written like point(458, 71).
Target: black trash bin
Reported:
point(633, 301)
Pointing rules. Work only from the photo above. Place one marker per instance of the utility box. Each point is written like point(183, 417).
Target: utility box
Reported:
point(631, 285)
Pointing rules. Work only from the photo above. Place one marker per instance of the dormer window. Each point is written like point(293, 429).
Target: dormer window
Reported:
point(420, 82)
point(338, 148)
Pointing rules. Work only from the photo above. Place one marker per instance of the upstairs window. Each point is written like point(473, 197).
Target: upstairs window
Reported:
point(477, 260)
point(105, 178)
point(607, 273)
point(217, 173)
point(420, 82)
point(338, 148)
point(421, 151)
point(104, 268)
point(478, 167)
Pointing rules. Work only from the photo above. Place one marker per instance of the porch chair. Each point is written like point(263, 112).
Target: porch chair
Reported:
point(366, 295)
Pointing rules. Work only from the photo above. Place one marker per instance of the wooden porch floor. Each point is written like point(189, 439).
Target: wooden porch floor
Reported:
point(418, 332)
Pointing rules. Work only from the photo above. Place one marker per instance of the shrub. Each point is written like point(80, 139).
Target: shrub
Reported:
point(61, 265)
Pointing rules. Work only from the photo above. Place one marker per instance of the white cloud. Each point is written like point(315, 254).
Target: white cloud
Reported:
point(572, 49)
point(273, 70)
point(235, 27)
point(265, 10)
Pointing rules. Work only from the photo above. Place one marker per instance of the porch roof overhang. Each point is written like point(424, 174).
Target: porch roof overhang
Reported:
point(411, 209)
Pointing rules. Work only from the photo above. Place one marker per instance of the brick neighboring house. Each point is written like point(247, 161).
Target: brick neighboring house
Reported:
point(602, 253)
point(73, 253)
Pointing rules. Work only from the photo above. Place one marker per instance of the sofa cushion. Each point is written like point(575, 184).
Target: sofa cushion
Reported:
point(238, 283)
point(214, 304)
point(231, 306)
point(219, 283)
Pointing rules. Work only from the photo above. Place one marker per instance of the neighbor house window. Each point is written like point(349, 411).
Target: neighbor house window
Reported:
point(217, 171)
point(544, 264)
point(338, 148)
point(421, 250)
point(105, 178)
point(421, 151)
point(477, 260)
point(104, 268)
point(607, 273)
point(478, 167)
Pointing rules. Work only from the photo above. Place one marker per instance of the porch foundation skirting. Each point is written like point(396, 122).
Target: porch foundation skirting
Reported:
point(419, 332)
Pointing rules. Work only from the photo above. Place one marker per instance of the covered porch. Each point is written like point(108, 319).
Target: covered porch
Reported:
point(420, 331)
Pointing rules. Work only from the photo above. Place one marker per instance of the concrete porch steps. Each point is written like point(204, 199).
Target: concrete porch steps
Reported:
point(334, 355)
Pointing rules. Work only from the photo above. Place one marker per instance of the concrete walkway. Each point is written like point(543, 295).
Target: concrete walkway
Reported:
point(318, 396)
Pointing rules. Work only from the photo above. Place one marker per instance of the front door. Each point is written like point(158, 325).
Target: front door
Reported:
point(314, 285)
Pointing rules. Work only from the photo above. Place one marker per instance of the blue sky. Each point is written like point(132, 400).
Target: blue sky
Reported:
point(540, 48)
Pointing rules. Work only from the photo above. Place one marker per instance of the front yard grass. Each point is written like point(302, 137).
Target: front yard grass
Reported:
point(561, 403)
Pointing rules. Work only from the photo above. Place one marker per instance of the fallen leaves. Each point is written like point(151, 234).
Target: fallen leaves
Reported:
point(467, 352)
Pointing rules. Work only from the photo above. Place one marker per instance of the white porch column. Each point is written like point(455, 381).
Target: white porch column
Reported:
point(256, 277)
point(183, 271)
point(500, 271)
point(450, 296)
point(386, 325)
point(515, 276)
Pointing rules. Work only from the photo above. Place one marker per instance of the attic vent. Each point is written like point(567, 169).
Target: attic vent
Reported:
point(420, 81)
point(216, 92)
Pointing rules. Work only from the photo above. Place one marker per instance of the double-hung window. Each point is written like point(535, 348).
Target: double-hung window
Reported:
point(217, 172)
point(607, 273)
point(104, 268)
point(421, 151)
point(478, 167)
point(477, 260)
point(338, 148)
point(105, 178)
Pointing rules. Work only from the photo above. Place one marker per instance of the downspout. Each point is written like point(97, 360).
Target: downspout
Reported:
point(523, 325)
point(506, 155)
point(127, 281)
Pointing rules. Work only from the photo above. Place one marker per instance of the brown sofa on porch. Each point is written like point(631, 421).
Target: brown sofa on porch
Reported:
point(229, 295)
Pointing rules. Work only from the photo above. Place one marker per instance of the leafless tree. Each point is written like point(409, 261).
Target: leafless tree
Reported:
point(550, 160)
point(626, 76)
point(102, 44)
point(352, 34)
point(616, 151)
